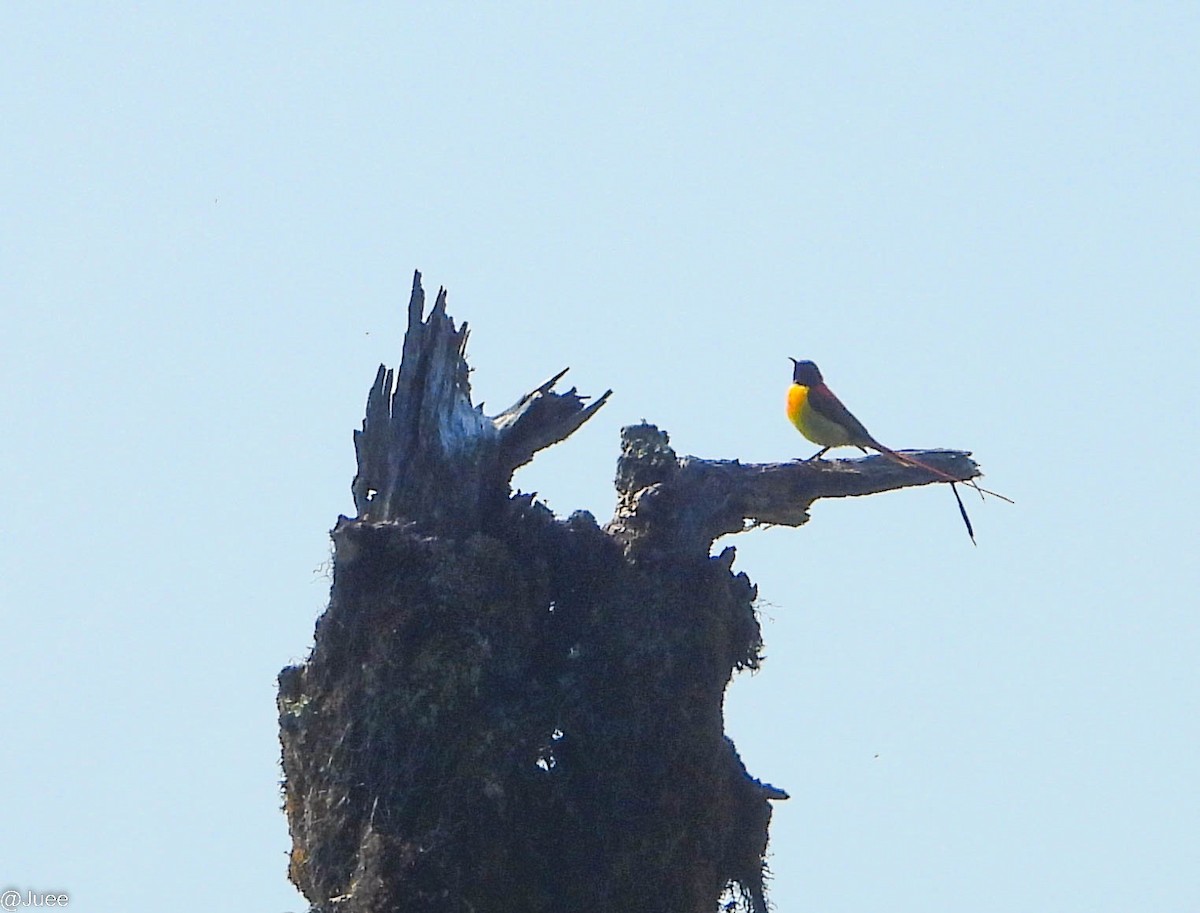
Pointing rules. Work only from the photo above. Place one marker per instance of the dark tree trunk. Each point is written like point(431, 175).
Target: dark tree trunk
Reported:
point(504, 711)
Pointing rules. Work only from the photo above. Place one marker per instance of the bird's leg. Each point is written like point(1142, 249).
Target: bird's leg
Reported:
point(820, 453)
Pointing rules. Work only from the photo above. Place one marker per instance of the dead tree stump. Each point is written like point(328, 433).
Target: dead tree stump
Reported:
point(504, 711)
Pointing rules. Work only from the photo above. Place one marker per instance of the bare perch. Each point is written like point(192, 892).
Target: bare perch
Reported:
point(673, 504)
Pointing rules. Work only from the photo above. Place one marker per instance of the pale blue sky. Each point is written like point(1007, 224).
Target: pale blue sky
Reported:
point(981, 220)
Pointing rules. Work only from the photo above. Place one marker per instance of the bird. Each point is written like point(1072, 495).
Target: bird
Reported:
point(821, 417)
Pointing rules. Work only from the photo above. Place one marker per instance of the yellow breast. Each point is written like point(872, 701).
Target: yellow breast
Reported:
point(811, 423)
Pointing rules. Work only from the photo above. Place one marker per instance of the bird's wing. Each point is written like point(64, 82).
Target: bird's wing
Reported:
point(823, 400)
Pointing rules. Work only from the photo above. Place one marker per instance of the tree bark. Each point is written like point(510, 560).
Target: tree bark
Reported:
point(506, 711)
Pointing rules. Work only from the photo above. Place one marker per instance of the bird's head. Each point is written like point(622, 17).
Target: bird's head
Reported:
point(806, 373)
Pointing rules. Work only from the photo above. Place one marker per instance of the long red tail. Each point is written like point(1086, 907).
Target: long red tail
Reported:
point(906, 460)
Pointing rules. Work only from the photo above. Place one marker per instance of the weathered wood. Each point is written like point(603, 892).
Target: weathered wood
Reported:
point(541, 418)
point(507, 711)
point(684, 504)
point(425, 453)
